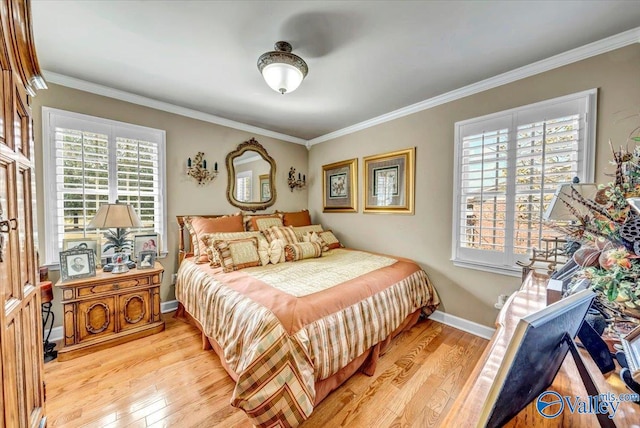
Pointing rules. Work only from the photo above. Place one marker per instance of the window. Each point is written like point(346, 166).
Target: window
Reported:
point(507, 168)
point(89, 161)
point(243, 186)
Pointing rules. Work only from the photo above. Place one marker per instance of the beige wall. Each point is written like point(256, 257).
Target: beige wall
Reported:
point(426, 236)
point(185, 137)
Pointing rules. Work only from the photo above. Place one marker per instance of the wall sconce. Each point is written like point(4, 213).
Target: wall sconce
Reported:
point(299, 183)
point(198, 169)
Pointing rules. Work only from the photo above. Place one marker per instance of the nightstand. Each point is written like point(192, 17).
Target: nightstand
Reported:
point(109, 309)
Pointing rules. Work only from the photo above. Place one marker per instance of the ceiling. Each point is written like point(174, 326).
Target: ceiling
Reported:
point(366, 58)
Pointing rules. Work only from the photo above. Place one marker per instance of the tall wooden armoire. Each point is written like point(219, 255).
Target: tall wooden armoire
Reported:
point(21, 363)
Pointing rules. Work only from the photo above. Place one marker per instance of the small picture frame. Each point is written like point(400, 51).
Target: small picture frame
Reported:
point(389, 182)
point(78, 263)
point(90, 242)
point(146, 242)
point(146, 259)
point(340, 186)
point(265, 188)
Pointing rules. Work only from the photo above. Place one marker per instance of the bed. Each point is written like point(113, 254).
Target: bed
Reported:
point(290, 333)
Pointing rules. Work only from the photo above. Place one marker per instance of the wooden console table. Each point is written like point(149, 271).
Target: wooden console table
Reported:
point(109, 309)
point(468, 406)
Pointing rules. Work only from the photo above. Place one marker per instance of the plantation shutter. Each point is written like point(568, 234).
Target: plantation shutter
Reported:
point(508, 166)
point(243, 186)
point(97, 161)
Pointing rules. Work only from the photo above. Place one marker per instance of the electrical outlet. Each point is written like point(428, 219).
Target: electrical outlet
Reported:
point(174, 277)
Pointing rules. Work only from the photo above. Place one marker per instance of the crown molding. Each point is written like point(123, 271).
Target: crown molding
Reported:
point(94, 88)
point(587, 51)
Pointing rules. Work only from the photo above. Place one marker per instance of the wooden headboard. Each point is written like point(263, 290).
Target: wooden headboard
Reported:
point(182, 253)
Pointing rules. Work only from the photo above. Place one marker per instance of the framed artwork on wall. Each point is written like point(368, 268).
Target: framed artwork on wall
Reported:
point(389, 182)
point(340, 186)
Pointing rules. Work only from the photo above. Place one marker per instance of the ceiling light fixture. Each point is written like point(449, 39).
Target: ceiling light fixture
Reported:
point(282, 70)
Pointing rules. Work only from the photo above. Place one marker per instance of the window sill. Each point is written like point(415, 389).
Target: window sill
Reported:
point(505, 270)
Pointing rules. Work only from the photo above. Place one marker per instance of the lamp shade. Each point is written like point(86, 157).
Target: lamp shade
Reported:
point(559, 211)
point(282, 70)
point(115, 215)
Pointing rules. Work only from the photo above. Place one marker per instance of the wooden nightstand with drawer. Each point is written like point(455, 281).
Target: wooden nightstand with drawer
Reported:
point(109, 309)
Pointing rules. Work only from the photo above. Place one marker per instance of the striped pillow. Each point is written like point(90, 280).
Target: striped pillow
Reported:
point(301, 230)
point(199, 226)
point(302, 250)
point(238, 254)
point(314, 237)
point(330, 239)
point(285, 233)
point(210, 238)
point(262, 223)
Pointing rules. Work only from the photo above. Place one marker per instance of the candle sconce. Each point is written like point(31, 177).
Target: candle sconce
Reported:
point(198, 169)
point(299, 183)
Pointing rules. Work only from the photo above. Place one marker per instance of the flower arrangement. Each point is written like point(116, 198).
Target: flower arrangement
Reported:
point(610, 235)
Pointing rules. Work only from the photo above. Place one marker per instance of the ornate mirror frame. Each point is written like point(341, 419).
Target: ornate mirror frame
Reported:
point(253, 145)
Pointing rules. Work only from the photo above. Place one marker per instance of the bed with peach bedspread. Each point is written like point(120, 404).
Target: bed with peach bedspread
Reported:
point(290, 333)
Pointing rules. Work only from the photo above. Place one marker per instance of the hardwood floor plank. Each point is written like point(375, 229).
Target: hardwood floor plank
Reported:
point(167, 380)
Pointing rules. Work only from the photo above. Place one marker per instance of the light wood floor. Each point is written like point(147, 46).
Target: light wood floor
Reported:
point(166, 380)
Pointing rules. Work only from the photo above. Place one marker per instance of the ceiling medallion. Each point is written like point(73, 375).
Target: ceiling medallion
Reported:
point(282, 70)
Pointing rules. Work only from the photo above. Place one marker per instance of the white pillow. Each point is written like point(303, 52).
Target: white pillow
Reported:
point(271, 252)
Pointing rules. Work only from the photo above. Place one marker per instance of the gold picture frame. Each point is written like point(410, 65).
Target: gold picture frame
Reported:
point(340, 187)
point(265, 187)
point(389, 182)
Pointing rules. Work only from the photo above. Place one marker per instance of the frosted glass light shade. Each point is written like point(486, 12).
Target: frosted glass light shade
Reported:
point(283, 78)
point(282, 70)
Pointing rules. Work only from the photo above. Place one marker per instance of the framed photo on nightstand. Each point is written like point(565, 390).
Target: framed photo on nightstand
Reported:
point(146, 259)
point(78, 263)
point(145, 242)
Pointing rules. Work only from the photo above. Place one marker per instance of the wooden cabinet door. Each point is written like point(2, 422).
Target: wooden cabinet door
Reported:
point(96, 318)
point(135, 310)
point(21, 363)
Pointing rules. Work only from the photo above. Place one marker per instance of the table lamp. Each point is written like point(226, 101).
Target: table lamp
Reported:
point(558, 210)
point(121, 217)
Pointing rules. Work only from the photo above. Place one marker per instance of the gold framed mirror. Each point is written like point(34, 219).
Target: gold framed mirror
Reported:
point(251, 174)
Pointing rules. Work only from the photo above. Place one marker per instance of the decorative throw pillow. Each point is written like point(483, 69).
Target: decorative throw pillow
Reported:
point(314, 237)
point(238, 254)
point(330, 239)
point(298, 218)
point(210, 238)
point(301, 230)
point(285, 233)
point(249, 225)
point(271, 252)
point(199, 226)
point(302, 250)
point(262, 223)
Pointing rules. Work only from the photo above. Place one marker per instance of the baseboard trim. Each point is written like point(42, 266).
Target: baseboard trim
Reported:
point(443, 317)
point(463, 324)
point(168, 306)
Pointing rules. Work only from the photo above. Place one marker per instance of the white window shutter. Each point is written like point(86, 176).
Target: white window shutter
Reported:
point(508, 166)
point(91, 161)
